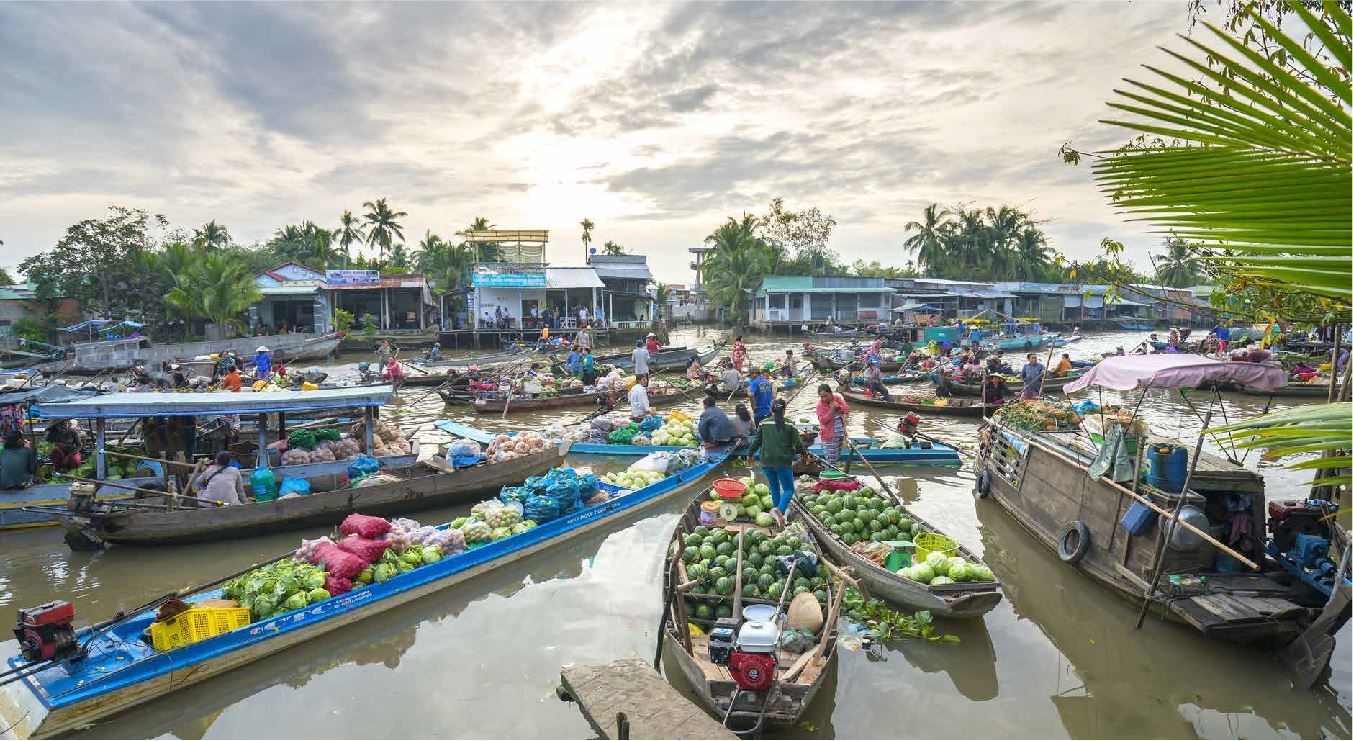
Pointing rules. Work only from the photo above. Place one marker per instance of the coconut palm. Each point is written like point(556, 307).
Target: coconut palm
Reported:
point(217, 287)
point(1031, 248)
point(382, 225)
point(1178, 267)
point(736, 265)
point(212, 236)
point(928, 241)
point(486, 251)
point(587, 226)
point(612, 248)
point(349, 233)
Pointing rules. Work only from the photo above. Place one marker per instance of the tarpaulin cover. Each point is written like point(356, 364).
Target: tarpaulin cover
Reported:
point(1130, 372)
point(44, 394)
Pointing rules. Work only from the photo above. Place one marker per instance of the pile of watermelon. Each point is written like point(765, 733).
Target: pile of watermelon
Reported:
point(861, 515)
point(711, 558)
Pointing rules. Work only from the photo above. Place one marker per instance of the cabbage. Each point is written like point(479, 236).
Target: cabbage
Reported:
point(980, 572)
point(922, 572)
point(412, 557)
point(317, 595)
point(960, 570)
point(295, 601)
point(432, 554)
point(405, 567)
point(762, 489)
point(314, 580)
point(383, 572)
point(937, 581)
point(499, 533)
point(367, 575)
point(935, 557)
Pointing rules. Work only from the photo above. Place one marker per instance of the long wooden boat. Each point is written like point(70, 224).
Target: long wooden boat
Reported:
point(941, 407)
point(894, 380)
point(830, 363)
point(671, 358)
point(847, 334)
point(1050, 384)
point(791, 696)
point(123, 670)
point(934, 454)
point(1040, 479)
point(419, 487)
point(957, 600)
point(93, 358)
point(1293, 390)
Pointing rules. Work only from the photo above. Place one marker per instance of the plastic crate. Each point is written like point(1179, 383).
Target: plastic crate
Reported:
point(196, 624)
point(928, 542)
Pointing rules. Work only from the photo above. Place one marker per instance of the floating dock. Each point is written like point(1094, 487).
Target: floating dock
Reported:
point(628, 699)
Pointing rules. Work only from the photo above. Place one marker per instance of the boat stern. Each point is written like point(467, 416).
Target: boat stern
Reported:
point(22, 713)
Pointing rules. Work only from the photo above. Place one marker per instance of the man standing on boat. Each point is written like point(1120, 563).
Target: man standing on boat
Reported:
point(639, 398)
point(383, 353)
point(1032, 375)
point(641, 358)
point(262, 363)
point(588, 367)
point(583, 339)
point(761, 394)
point(653, 345)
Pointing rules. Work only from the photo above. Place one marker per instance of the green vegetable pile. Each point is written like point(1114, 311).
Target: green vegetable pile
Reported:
point(303, 439)
point(882, 623)
point(711, 558)
point(861, 515)
point(392, 564)
point(328, 434)
point(281, 586)
point(1038, 416)
point(624, 435)
point(940, 569)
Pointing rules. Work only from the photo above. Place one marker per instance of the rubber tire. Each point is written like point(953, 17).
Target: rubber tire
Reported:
point(983, 487)
point(1064, 550)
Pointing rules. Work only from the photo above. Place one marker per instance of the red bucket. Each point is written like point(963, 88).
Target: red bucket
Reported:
point(729, 488)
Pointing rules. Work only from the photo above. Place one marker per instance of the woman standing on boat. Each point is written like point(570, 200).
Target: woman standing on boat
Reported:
point(588, 365)
point(739, 353)
point(1032, 375)
point(779, 444)
point(220, 481)
point(831, 420)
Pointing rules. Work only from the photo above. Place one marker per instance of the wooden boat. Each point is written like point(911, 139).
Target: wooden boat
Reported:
point(93, 358)
point(957, 600)
point(942, 407)
point(154, 522)
point(894, 380)
point(124, 670)
point(925, 453)
point(565, 399)
point(676, 357)
point(1014, 385)
point(798, 676)
point(1293, 390)
point(827, 363)
point(845, 334)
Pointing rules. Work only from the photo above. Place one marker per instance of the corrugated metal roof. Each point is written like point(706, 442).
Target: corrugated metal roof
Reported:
point(289, 289)
point(572, 277)
point(134, 404)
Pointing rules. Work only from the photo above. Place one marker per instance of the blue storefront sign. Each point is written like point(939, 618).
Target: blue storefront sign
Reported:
point(351, 277)
point(509, 280)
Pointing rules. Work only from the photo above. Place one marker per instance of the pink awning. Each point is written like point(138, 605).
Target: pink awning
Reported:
point(1130, 372)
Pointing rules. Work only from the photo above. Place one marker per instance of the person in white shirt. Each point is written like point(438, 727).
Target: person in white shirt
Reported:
point(583, 338)
point(639, 397)
point(582, 315)
point(641, 358)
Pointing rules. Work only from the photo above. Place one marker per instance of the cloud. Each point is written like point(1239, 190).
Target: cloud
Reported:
point(654, 120)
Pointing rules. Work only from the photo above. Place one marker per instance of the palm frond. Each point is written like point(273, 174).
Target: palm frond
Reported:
point(1320, 428)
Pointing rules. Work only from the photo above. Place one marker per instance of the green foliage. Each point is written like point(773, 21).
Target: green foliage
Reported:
point(613, 248)
point(382, 225)
point(1302, 430)
point(1178, 266)
point(736, 265)
point(988, 244)
point(5, 278)
point(883, 623)
point(342, 320)
point(212, 236)
point(215, 287)
point(587, 226)
point(369, 324)
point(873, 269)
point(798, 240)
point(305, 243)
point(349, 232)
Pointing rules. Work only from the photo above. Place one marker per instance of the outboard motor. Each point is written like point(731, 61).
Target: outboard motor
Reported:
point(47, 632)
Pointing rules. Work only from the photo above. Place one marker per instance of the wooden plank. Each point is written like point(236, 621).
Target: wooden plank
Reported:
point(653, 708)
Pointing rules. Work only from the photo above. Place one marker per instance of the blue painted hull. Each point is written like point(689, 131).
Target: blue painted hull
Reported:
point(123, 670)
point(938, 455)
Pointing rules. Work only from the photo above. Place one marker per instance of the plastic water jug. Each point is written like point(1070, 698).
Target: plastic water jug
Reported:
point(264, 484)
point(1169, 466)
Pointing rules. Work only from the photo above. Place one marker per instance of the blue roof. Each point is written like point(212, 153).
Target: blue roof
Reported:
point(155, 404)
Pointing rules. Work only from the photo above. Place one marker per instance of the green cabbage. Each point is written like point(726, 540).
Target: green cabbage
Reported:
point(384, 571)
point(432, 554)
point(317, 595)
point(296, 601)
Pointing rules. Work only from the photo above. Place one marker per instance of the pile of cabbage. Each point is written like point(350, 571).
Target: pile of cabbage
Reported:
point(938, 569)
point(679, 429)
point(633, 479)
point(281, 586)
point(654, 467)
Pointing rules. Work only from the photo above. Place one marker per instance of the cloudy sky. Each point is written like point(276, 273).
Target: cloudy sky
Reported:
point(656, 121)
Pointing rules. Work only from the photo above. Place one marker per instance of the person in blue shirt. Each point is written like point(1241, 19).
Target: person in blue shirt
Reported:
point(587, 367)
point(975, 337)
point(574, 363)
point(262, 363)
point(761, 394)
point(714, 427)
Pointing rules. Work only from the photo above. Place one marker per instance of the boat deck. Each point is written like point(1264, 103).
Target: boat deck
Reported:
point(716, 673)
point(632, 690)
point(1213, 471)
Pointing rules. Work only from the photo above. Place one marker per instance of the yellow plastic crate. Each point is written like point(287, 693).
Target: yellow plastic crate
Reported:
point(927, 542)
point(196, 624)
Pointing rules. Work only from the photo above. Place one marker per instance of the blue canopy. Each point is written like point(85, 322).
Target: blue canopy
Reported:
point(133, 404)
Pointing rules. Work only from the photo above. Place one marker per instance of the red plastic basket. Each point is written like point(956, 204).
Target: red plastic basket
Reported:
point(729, 488)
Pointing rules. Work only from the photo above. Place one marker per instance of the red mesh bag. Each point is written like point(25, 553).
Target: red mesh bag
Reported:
point(363, 548)
point(337, 561)
point(336, 585)
point(837, 485)
point(364, 525)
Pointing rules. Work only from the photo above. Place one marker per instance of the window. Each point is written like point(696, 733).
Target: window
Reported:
point(777, 300)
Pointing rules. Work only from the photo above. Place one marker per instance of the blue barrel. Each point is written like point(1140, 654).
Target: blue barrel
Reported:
point(1169, 465)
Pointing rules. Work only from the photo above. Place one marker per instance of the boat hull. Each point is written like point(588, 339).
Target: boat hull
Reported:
point(92, 358)
point(952, 409)
point(30, 710)
point(147, 528)
point(1292, 391)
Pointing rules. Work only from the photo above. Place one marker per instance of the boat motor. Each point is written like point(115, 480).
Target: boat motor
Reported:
point(752, 662)
point(47, 632)
point(365, 374)
point(1290, 518)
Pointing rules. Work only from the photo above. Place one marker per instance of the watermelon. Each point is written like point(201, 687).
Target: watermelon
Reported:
point(784, 550)
point(723, 585)
point(835, 505)
point(700, 530)
point(707, 551)
point(767, 502)
point(721, 536)
point(801, 582)
point(697, 571)
point(692, 539)
point(718, 572)
point(765, 519)
point(704, 611)
point(846, 514)
point(690, 554)
point(748, 590)
point(821, 595)
point(723, 611)
point(903, 523)
point(725, 548)
point(775, 590)
point(765, 580)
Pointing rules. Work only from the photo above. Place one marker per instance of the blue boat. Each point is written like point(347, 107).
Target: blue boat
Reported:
point(123, 670)
point(938, 454)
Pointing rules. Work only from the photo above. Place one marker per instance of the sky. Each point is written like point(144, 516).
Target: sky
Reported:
point(656, 121)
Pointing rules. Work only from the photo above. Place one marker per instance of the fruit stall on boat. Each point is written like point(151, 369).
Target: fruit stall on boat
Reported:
point(896, 554)
point(1182, 534)
point(47, 504)
point(750, 611)
point(922, 405)
point(65, 678)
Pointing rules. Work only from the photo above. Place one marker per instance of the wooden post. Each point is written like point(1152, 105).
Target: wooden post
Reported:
point(1334, 364)
point(100, 455)
point(370, 435)
point(262, 455)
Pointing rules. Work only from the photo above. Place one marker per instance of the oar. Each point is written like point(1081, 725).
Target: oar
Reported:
point(872, 470)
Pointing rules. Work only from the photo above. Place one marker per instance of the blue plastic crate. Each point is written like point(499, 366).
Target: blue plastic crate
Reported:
point(1138, 518)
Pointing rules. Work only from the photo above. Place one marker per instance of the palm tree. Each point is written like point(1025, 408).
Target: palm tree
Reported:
point(928, 241)
point(350, 233)
point(212, 236)
point(736, 265)
point(489, 249)
point(382, 225)
point(1178, 267)
point(1031, 247)
point(612, 248)
point(218, 288)
point(587, 226)
point(968, 242)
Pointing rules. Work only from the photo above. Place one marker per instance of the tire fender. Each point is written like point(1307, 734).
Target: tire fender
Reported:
point(1074, 542)
point(983, 487)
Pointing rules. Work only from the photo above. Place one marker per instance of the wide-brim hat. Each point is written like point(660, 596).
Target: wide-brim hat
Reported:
point(262, 348)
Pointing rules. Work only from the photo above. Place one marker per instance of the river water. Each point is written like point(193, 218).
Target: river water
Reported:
point(1057, 658)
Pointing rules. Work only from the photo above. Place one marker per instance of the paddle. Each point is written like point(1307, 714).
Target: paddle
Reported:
point(873, 471)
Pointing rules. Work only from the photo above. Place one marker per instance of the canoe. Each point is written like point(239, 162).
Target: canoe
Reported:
point(937, 454)
point(1014, 385)
point(893, 380)
point(949, 407)
point(852, 334)
point(827, 363)
point(1293, 390)
point(790, 697)
point(420, 487)
point(673, 358)
point(958, 600)
point(125, 671)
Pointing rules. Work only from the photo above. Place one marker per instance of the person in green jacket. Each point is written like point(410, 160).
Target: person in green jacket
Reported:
point(779, 444)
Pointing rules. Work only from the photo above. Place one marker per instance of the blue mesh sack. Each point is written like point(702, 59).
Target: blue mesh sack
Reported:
point(514, 494)
point(541, 509)
point(650, 423)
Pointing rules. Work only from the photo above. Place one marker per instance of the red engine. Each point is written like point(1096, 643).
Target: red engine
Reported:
point(47, 631)
point(754, 672)
point(909, 424)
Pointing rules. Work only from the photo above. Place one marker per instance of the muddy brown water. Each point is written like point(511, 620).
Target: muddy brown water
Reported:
point(1057, 658)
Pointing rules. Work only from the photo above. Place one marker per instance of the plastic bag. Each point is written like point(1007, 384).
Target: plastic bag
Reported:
point(363, 466)
point(364, 525)
point(542, 509)
point(464, 449)
point(363, 548)
point(337, 561)
point(294, 486)
point(657, 462)
point(336, 585)
point(649, 424)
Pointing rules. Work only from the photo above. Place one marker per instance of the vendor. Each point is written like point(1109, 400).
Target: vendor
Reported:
point(65, 440)
point(231, 381)
point(695, 371)
point(761, 394)
point(573, 364)
point(730, 380)
point(639, 398)
point(743, 425)
point(1304, 371)
point(18, 462)
point(588, 367)
point(787, 365)
point(652, 345)
point(714, 427)
point(220, 482)
point(1063, 366)
point(995, 391)
point(434, 353)
point(262, 363)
